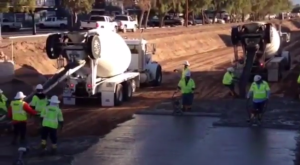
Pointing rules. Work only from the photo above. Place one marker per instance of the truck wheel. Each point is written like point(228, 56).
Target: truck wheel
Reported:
point(288, 61)
point(158, 77)
point(124, 30)
point(53, 48)
point(268, 33)
point(94, 47)
point(41, 26)
point(63, 26)
point(119, 95)
point(128, 90)
point(234, 35)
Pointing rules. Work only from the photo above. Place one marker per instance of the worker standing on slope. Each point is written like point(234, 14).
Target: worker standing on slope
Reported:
point(18, 111)
point(3, 100)
point(187, 87)
point(185, 69)
point(39, 102)
point(228, 81)
point(260, 91)
point(52, 118)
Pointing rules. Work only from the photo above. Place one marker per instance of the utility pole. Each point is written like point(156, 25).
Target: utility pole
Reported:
point(186, 13)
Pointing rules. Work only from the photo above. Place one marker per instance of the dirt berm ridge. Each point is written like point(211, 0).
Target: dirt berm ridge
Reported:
point(172, 43)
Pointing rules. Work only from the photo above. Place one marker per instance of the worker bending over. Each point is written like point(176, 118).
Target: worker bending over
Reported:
point(18, 111)
point(228, 81)
point(185, 69)
point(260, 91)
point(52, 119)
point(39, 101)
point(3, 100)
point(187, 87)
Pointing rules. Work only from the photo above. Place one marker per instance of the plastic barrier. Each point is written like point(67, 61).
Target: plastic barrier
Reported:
point(7, 71)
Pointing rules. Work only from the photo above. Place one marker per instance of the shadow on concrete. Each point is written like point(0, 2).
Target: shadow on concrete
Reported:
point(226, 39)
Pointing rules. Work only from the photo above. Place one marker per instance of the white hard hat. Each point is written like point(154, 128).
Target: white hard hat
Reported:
point(188, 73)
point(54, 99)
point(186, 63)
point(1, 91)
point(20, 95)
point(230, 69)
point(39, 87)
point(257, 78)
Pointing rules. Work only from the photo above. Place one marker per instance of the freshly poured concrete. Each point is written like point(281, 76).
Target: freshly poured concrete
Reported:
point(167, 140)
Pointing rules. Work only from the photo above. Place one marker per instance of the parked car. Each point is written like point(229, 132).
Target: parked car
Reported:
point(126, 23)
point(168, 21)
point(53, 22)
point(10, 25)
point(99, 21)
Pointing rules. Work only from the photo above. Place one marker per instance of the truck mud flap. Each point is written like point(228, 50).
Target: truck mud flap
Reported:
point(246, 73)
point(59, 77)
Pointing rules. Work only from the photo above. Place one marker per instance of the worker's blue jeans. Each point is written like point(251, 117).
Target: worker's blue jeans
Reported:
point(258, 107)
point(187, 99)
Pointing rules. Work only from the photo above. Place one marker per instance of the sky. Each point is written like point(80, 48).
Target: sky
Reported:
point(296, 1)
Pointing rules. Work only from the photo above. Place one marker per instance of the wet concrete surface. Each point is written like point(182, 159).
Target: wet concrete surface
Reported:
point(162, 140)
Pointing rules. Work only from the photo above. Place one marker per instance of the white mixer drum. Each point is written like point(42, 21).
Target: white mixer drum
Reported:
point(115, 55)
point(273, 47)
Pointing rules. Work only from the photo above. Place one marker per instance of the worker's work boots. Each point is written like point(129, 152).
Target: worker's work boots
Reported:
point(53, 149)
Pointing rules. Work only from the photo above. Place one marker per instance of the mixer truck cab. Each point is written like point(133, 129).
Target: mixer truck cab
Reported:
point(100, 66)
point(262, 52)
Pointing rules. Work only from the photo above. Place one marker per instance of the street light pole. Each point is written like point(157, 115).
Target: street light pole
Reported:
point(186, 13)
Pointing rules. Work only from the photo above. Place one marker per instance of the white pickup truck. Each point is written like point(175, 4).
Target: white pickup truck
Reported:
point(126, 23)
point(53, 22)
point(99, 21)
point(10, 26)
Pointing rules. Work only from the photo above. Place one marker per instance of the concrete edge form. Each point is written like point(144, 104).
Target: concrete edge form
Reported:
point(170, 113)
point(7, 71)
point(262, 126)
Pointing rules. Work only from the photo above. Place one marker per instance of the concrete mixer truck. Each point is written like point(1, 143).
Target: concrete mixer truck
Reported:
point(101, 65)
point(261, 45)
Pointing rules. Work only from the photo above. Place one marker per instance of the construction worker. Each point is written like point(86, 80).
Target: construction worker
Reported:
point(187, 87)
point(18, 111)
point(52, 119)
point(185, 68)
point(3, 100)
point(260, 91)
point(228, 81)
point(39, 101)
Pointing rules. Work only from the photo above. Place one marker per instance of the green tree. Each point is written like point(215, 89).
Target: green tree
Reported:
point(77, 6)
point(25, 6)
point(198, 7)
point(163, 7)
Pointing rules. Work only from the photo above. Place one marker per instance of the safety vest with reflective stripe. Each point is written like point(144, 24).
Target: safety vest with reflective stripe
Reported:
point(261, 92)
point(3, 100)
point(39, 104)
point(51, 117)
point(227, 78)
point(186, 87)
point(184, 70)
point(18, 113)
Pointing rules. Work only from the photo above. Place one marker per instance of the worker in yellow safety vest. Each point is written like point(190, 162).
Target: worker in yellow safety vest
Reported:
point(260, 92)
point(3, 106)
point(187, 87)
point(18, 111)
point(185, 68)
point(39, 101)
point(228, 81)
point(52, 119)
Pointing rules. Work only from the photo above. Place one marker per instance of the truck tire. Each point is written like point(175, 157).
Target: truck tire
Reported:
point(234, 35)
point(94, 47)
point(128, 90)
point(268, 33)
point(53, 48)
point(63, 26)
point(158, 76)
point(288, 60)
point(118, 98)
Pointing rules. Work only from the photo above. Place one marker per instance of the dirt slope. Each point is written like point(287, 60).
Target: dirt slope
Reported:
point(205, 47)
